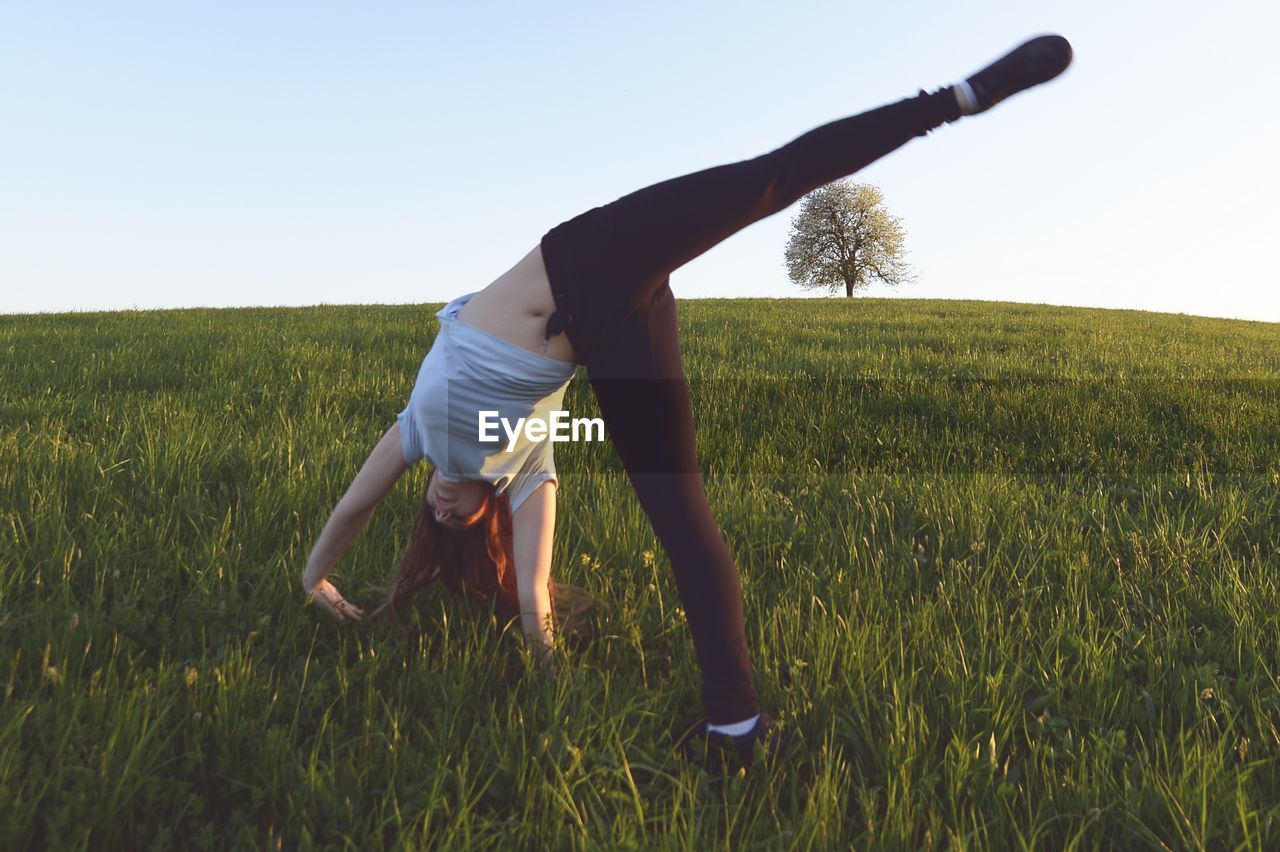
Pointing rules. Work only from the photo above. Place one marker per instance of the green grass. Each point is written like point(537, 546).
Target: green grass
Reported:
point(1010, 574)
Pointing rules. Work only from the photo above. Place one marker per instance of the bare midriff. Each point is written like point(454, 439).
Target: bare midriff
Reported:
point(516, 306)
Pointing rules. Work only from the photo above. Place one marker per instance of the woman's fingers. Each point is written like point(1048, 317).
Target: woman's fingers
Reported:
point(329, 606)
point(348, 610)
point(327, 595)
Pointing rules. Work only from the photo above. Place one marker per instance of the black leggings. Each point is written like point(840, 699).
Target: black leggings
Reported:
point(610, 276)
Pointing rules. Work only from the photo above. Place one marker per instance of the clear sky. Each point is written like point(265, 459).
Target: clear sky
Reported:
point(166, 154)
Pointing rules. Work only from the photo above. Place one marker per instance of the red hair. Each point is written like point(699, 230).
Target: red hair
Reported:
point(476, 561)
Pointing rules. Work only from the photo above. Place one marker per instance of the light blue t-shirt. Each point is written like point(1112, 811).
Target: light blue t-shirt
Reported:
point(468, 371)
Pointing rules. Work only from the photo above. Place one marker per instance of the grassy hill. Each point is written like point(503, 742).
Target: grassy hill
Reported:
point(1010, 574)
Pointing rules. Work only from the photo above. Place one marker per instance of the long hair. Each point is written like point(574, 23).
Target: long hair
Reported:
point(476, 561)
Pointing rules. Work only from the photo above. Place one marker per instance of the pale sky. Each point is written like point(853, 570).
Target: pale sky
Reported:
point(287, 153)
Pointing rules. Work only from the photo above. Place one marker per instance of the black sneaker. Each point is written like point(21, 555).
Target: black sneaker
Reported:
point(709, 749)
point(1032, 63)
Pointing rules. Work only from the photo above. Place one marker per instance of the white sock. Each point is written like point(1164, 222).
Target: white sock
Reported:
point(965, 97)
point(735, 729)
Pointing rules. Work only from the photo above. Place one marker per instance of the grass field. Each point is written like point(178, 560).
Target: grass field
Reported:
point(1010, 575)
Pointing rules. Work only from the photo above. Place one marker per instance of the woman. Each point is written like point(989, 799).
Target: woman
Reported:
point(596, 292)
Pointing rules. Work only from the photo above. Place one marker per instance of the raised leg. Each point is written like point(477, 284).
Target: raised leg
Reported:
point(620, 254)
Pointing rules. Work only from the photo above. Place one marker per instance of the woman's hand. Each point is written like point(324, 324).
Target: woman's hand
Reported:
point(327, 596)
point(384, 466)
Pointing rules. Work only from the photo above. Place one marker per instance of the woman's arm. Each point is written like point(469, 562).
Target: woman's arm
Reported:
point(380, 472)
point(533, 526)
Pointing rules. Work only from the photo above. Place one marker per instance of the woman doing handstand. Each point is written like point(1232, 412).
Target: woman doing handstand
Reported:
point(596, 292)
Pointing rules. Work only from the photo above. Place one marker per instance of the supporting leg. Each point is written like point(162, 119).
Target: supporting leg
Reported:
point(650, 422)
